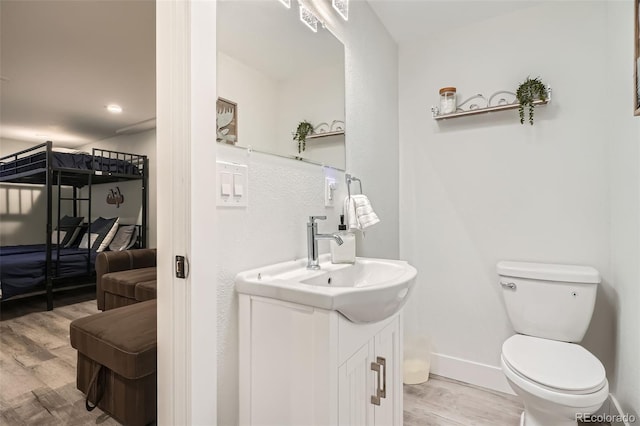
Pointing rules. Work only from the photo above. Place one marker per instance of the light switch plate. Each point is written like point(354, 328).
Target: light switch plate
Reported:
point(235, 179)
point(329, 191)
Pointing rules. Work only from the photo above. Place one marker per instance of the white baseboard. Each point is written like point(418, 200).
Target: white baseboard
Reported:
point(475, 373)
point(616, 412)
point(611, 413)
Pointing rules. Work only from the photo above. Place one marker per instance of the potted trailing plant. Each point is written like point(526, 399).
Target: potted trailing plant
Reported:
point(302, 131)
point(531, 90)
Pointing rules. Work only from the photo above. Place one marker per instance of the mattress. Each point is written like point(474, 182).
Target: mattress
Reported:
point(22, 268)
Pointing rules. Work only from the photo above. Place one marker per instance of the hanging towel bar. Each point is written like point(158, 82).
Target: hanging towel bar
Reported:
point(349, 178)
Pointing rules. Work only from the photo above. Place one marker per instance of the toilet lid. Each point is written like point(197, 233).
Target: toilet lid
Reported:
point(558, 365)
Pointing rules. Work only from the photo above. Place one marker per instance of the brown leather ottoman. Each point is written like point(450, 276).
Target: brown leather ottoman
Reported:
point(120, 288)
point(117, 361)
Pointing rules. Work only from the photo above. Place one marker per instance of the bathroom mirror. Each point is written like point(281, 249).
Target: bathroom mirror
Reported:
point(273, 72)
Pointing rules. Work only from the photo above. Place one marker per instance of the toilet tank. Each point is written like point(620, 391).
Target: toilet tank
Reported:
point(548, 300)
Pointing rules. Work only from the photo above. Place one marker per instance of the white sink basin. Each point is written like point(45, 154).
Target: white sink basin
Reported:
point(370, 290)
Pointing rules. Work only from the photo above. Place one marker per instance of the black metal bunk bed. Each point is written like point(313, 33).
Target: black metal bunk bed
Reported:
point(41, 165)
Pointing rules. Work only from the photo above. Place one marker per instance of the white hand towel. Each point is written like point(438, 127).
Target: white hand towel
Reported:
point(360, 214)
point(350, 214)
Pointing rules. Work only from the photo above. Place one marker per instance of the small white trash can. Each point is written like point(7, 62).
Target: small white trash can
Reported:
point(417, 360)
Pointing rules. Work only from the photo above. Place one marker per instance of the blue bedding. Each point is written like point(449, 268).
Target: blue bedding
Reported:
point(68, 161)
point(9, 250)
point(22, 268)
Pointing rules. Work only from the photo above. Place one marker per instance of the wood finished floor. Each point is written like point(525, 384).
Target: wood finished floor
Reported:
point(37, 363)
point(37, 376)
point(445, 402)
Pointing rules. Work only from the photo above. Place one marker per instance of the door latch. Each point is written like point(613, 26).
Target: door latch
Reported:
point(180, 267)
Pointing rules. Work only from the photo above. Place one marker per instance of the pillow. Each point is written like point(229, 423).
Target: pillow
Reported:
point(85, 240)
point(68, 150)
point(111, 227)
point(54, 237)
point(69, 230)
point(124, 239)
point(102, 232)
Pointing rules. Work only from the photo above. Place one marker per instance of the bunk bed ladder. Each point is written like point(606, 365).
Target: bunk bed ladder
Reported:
point(145, 182)
point(53, 270)
point(49, 269)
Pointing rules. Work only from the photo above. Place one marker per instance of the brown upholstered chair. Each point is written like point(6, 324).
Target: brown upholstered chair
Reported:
point(125, 277)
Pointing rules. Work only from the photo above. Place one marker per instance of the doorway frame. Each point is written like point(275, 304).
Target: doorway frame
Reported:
point(186, 97)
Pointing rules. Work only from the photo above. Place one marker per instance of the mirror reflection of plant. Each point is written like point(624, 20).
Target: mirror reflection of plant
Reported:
point(302, 131)
point(530, 90)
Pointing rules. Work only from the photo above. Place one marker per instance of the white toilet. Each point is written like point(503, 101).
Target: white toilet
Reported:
point(550, 307)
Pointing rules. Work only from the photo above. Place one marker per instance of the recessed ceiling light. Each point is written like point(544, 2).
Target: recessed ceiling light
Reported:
point(114, 109)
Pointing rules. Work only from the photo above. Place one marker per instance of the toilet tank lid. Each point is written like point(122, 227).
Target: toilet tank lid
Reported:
point(549, 272)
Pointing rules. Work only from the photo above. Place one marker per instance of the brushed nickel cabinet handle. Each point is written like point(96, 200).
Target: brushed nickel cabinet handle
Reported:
point(383, 363)
point(375, 399)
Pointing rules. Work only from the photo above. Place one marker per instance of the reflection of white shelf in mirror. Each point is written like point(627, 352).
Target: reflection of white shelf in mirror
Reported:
point(325, 134)
point(324, 130)
point(489, 108)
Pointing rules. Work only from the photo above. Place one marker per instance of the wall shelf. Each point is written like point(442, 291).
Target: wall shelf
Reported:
point(475, 110)
point(325, 134)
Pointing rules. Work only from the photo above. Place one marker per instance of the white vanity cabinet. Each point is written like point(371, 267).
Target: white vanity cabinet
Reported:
point(301, 365)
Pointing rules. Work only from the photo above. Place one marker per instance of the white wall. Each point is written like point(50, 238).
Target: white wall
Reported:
point(481, 189)
point(256, 95)
point(23, 208)
point(283, 193)
point(624, 167)
point(371, 58)
point(10, 146)
point(143, 143)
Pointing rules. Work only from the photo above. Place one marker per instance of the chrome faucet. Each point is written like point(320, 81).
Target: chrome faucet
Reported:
point(312, 241)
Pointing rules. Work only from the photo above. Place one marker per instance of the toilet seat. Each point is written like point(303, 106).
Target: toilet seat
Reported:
point(548, 371)
point(558, 366)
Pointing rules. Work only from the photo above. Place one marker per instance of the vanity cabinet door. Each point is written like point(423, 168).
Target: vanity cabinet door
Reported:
point(370, 389)
point(300, 365)
point(387, 352)
point(355, 387)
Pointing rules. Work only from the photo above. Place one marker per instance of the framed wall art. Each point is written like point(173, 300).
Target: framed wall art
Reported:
point(227, 121)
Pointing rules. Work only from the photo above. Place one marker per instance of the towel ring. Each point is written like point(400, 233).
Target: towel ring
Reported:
point(349, 178)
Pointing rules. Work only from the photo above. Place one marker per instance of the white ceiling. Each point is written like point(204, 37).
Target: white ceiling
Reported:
point(410, 20)
point(62, 62)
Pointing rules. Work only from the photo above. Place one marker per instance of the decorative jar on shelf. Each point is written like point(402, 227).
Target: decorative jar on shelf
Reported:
point(448, 100)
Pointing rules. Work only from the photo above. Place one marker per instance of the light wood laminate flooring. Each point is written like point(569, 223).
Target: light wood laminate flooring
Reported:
point(445, 402)
point(38, 373)
point(38, 364)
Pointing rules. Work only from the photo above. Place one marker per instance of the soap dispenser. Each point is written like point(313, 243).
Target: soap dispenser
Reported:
point(346, 252)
